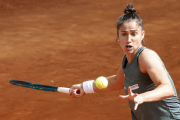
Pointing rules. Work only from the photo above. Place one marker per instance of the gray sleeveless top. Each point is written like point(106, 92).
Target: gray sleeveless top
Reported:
point(167, 109)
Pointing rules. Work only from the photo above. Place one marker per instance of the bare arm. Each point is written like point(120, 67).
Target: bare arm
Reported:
point(115, 82)
point(151, 64)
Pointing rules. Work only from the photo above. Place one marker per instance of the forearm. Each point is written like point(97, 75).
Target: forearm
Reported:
point(160, 93)
point(115, 82)
point(112, 85)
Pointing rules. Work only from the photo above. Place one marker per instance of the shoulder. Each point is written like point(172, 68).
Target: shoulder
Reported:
point(148, 54)
point(148, 59)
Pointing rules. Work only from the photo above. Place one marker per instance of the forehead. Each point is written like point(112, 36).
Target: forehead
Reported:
point(130, 25)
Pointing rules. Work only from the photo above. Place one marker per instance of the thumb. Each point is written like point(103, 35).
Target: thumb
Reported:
point(123, 96)
point(77, 91)
point(136, 105)
point(73, 89)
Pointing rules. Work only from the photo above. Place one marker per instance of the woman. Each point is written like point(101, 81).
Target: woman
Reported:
point(147, 84)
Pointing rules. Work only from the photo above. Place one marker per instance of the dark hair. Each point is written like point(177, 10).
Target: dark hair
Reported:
point(129, 14)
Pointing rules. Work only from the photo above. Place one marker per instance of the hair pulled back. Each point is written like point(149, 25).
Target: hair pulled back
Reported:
point(129, 15)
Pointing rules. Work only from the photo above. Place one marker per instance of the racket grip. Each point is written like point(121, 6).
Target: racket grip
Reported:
point(66, 90)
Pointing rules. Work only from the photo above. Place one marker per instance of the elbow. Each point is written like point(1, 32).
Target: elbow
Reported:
point(171, 92)
point(168, 91)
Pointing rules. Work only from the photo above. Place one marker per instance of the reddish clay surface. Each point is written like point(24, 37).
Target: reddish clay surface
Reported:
point(70, 41)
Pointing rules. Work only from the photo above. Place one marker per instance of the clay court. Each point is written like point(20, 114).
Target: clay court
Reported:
point(64, 42)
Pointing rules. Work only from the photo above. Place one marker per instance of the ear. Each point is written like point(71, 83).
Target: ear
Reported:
point(117, 36)
point(143, 34)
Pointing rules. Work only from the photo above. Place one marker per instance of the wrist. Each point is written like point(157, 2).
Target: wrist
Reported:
point(88, 86)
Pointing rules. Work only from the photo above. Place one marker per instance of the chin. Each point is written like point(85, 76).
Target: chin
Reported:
point(130, 52)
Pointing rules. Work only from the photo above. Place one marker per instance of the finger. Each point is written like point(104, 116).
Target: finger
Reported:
point(75, 92)
point(130, 91)
point(136, 106)
point(73, 88)
point(72, 93)
point(77, 95)
point(135, 94)
point(123, 96)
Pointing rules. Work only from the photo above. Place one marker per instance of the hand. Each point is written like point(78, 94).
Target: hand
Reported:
point(78, 87)
point(138, 99)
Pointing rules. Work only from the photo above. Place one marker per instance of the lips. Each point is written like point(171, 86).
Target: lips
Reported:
point(128, 47)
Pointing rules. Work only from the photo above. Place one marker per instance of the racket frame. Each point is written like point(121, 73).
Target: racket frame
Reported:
point(42, 87)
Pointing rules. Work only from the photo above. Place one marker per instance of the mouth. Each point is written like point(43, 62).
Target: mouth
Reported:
point(128, 46)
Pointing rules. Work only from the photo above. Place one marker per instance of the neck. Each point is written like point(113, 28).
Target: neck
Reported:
point(130, 57)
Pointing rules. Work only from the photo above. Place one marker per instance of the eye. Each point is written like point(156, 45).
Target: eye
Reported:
point(124, 34)
point(133, 34)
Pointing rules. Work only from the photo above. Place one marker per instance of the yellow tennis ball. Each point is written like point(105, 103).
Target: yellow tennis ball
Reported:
point(101, 82)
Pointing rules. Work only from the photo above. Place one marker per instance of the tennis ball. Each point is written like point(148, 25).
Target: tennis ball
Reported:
point(101, 82)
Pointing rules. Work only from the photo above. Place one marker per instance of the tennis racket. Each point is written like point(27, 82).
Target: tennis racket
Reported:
point(42, 87)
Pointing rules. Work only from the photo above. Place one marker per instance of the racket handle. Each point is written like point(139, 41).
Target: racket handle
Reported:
point(66, 90)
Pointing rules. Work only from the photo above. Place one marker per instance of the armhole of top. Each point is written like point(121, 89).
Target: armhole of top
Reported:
point(124, 62)
point(138, 60)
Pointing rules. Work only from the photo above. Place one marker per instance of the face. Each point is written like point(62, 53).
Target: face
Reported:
point(130, 37)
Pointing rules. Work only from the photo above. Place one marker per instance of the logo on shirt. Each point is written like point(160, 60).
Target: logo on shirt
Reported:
point(134, 87)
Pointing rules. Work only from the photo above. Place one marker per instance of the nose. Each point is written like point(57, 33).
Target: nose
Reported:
point(129, 38)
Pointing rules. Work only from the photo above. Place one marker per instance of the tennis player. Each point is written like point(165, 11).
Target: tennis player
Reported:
point(143, 76)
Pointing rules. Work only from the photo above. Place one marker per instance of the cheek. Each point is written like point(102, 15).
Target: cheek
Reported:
point(121, 43)
point(138, 41)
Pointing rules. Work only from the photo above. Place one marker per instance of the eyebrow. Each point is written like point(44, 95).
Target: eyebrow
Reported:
point(127, 30)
